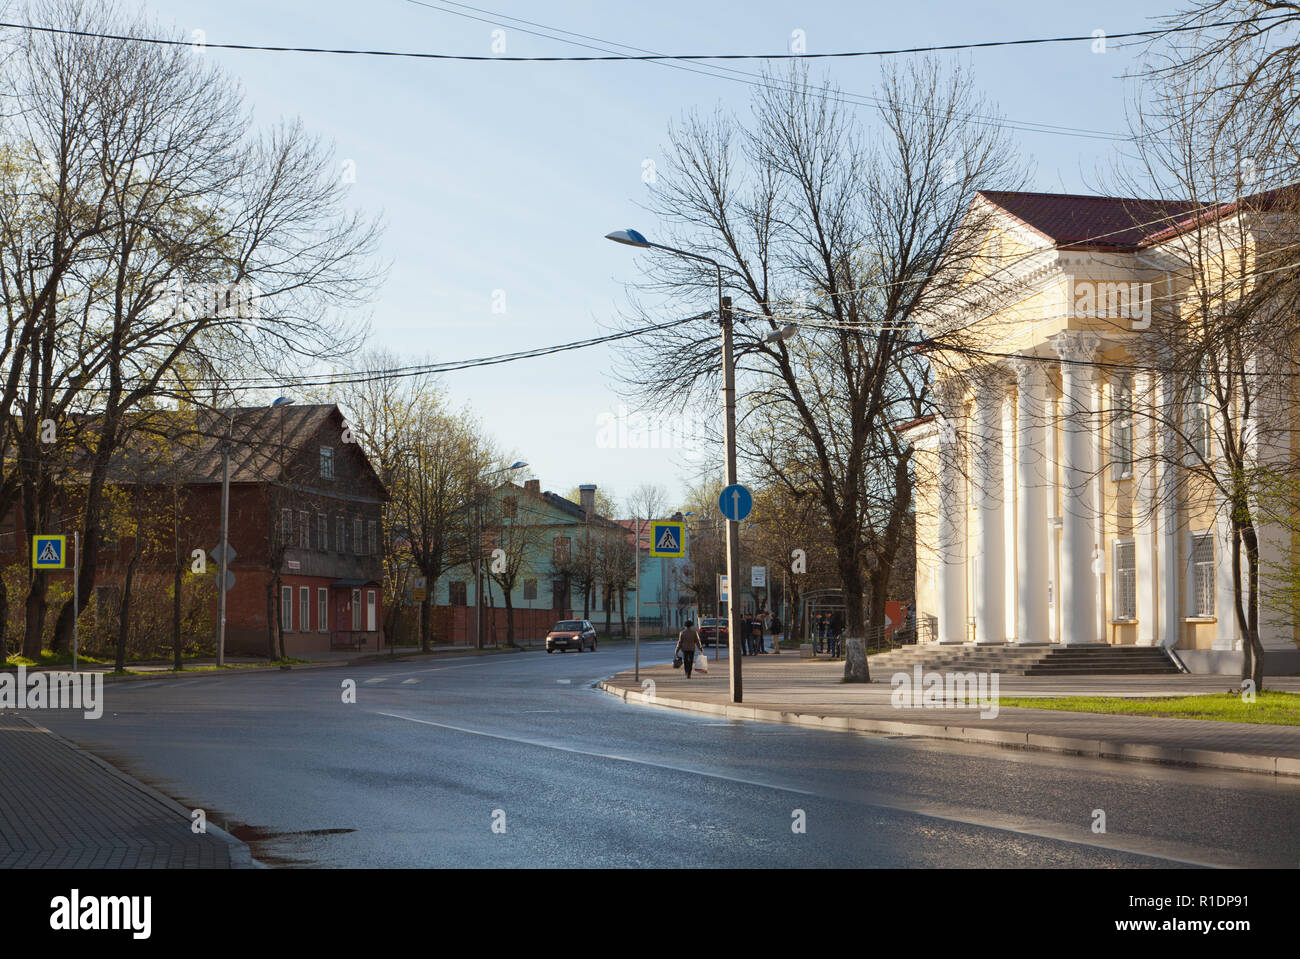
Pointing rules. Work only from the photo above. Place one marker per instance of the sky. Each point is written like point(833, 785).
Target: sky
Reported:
point(497, 181)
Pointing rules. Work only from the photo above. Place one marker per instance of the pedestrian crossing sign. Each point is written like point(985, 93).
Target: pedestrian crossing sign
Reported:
point(49, 552)
point(667, 538)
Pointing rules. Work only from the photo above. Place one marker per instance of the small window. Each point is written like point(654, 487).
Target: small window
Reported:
point(1198, 425)
point(1121, 428)
point(304, 608)
point(372, 528)
point(322, 531)
point(530, 589)
point(457, 594)
point(358, 544)
point(1202, 575)
point(286, 527)
point(510, 507)
point(1125, 580)
point(340, 532)
point(356, 610)
point(327, 462)
point(562, 550)
point(304, 529)
point(323, 610)
point(286, 608)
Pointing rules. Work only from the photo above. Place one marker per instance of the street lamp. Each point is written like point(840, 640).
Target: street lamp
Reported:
point(478, 560)
point(633, 238)
point(225, 529)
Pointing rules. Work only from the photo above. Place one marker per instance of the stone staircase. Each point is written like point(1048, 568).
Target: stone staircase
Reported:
point(1098, 660)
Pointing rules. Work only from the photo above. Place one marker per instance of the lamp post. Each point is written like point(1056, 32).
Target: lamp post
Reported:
point(633, 238)
point(225, 529)
point(478, 560)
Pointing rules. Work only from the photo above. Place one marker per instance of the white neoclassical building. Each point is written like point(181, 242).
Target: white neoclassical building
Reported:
point(1050, 504)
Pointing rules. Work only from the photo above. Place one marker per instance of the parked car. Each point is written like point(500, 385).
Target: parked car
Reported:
point(571, 634)
point(713, 631)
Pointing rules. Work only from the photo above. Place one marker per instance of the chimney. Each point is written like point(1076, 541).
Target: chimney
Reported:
point(587, 493)
point(533, 486)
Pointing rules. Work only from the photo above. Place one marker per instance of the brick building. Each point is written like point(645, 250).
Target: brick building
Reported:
point(304, 522)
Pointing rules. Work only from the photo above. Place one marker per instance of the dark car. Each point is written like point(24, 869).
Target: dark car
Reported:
point(713, 632)
point(571, 634)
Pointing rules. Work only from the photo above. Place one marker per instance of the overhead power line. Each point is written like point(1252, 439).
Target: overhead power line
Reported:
point(242, 384)
point(842, 54)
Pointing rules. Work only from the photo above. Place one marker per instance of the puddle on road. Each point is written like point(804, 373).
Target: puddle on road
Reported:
point(286, 849)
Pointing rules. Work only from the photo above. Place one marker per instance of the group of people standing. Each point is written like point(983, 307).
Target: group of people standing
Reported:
point(827, 628)
point(752, 630)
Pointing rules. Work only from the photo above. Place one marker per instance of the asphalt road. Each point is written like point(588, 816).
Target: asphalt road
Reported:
point(514, 760)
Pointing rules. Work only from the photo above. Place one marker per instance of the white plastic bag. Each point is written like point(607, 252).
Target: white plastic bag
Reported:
point(701, 663)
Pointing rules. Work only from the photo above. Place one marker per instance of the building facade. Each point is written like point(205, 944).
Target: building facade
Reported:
point(1051, 508)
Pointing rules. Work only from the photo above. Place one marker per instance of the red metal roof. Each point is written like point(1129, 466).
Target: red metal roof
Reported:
point(1091, 222)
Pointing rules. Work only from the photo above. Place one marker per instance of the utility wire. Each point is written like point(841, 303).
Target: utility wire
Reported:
point(344, 51)
point(756, 80)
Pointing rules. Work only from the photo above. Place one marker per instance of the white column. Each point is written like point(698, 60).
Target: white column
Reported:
point(1050, 409)
point(1270, 446)
point(952, 525)
point(1078, 606)
point(1144, 508)
point(1009, 504)
point(1099, 407)
point(1170, 558)
point(1032, 554)
point(990, 595)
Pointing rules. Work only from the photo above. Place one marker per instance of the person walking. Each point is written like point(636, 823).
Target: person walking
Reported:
point(688, 640)
point(776, 634)
point(836, 628)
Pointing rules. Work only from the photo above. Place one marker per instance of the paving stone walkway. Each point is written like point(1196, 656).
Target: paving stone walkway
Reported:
point(806, 692)
point(61, 807)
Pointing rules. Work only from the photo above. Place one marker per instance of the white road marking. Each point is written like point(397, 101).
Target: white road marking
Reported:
point(377, 679)
point(410, 682)
point(1042, 829)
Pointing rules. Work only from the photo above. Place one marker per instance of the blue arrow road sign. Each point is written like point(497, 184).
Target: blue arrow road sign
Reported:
point(735, 502)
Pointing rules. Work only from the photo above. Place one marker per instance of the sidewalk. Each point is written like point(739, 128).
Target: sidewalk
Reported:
point(802, 692)
point(252, 664)
point(61, 807)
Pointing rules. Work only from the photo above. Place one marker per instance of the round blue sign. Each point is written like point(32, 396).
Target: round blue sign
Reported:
point(735, 502)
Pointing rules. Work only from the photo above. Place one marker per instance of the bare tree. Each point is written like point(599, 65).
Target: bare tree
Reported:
point(850, 239)
point(1216, 367)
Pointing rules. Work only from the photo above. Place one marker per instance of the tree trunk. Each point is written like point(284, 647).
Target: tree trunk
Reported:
point(622, 612)
point(35, 617)
point(272, 613)
point(510, 617)
point(124, 607)
point(177, 580)
point(607, 611)
point(426, 619)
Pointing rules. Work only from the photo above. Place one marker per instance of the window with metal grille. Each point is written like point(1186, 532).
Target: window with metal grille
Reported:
point(1202, 574)
point(1125, 581)
point(286, 608)
point(286, 527)
point(1121, 427)
point(562, 549)
point(356, 610)
point(510, 507)
point(372, 528)
point(358, 544)
point(340, 534)
point(530, 589)
point(322, 531)
point(304, 608)
point(304, 529)
point(457, 593)
point(322, 609)
point(1198, 425)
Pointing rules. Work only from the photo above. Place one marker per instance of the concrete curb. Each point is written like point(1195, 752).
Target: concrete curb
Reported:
point(241, 857)
point(213, 673)
point(1102, 749)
